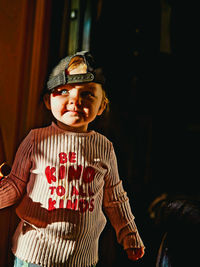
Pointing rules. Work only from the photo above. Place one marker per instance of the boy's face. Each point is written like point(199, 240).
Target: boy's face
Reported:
point(76, 105)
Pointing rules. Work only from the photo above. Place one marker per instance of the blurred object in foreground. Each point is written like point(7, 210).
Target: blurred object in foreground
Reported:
point(4, 170)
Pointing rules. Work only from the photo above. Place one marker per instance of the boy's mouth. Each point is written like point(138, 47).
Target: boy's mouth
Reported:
point(73, 112)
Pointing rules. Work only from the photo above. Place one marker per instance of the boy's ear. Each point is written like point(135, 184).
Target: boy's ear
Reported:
point(46, 99)
point(102, 108)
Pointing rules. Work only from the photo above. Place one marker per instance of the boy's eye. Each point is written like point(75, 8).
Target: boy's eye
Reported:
point(60, 92)
point(87, 94)
point(64, 92)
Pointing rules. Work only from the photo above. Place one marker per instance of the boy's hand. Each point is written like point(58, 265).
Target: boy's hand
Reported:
point(135, 253)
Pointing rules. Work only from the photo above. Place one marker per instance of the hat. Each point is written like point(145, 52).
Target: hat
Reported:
point(60, 76)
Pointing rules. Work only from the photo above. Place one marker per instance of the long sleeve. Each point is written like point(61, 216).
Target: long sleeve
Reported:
point(118, 210)
point(13, 186)
point(62, 177)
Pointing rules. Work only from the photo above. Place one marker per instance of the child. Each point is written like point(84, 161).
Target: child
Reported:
point(63, 175)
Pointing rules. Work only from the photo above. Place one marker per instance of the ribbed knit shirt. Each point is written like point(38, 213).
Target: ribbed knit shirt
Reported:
point(64, 183)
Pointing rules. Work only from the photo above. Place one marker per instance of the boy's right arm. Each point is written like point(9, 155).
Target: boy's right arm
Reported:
point(11, 190)
point(13, 186)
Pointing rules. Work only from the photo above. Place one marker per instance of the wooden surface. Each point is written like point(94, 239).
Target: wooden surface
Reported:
point(23, 64)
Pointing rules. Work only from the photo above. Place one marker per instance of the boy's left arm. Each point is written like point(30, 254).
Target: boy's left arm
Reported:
point(117, 207)
point(118, 210)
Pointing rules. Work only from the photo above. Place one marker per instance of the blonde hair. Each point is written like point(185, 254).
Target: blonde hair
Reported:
point(77, 62)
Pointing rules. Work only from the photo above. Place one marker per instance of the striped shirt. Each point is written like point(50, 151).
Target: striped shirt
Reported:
point(65, 182)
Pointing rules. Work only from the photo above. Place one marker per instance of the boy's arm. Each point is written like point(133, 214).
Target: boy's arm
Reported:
point(11, 189)
point(118, 210)
point(13, 186)
point(117, 207)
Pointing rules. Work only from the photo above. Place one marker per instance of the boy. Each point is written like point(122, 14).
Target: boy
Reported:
point(67, 174)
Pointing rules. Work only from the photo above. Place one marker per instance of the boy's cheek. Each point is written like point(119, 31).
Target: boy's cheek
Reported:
point(56, 103)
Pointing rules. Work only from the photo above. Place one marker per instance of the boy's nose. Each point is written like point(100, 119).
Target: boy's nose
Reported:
point(74, 97)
